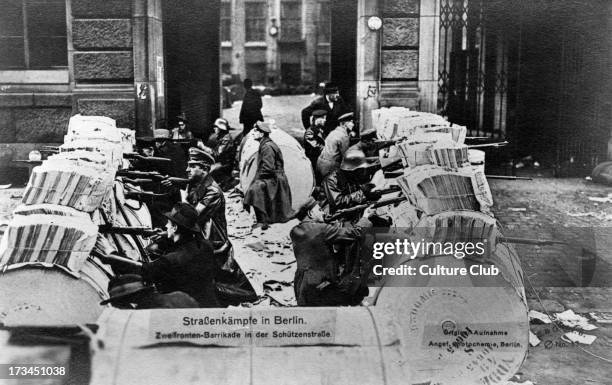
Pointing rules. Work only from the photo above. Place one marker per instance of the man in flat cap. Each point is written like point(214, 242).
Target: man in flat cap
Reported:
point(205, 195)
point(330, 102)
point(318, 281)
point(313, 138)
point(336, 144)
point(269, 193)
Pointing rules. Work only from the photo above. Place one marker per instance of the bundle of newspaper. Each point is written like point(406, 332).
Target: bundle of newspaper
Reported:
point(400, 122)
point(79, 183)
point(433, 189)
point(49, 235)
point(98, 134)
point(446, 154)
point(458, 226)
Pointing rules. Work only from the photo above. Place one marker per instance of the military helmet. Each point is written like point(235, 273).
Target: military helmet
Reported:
point(355, 159)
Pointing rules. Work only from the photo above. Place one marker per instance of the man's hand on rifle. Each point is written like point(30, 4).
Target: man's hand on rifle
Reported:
point(370, 195)
point(166, 182)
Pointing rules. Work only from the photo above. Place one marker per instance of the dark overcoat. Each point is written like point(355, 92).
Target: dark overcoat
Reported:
point(270, 191)
point(188, 266)
point(316, 263)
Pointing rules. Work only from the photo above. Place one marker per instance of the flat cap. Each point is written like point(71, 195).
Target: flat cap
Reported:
point(318, 113)
point(345, 117)
point(262, 128)
point(222, 124)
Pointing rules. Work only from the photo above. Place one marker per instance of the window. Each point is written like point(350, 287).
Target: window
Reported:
point(291, 20)
point(33, 34)
point(324, 22)
point(226, 21)
point(255, 20)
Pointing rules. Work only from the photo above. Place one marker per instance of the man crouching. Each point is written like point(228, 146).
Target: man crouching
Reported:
point(319, 280)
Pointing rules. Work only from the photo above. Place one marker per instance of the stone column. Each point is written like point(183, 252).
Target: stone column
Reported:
point(238, 38)
point(429, 43)
point(310, 15)
point(272, 52)
point(368, 62)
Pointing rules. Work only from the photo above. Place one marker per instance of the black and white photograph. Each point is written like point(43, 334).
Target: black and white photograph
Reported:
point(292, 192)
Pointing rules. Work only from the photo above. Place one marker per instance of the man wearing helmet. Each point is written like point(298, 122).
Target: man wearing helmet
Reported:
point(348, 186)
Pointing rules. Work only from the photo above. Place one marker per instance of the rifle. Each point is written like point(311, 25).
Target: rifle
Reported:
point(506, 177)
point(529, 241)
point(497, 144)
point(111, 258)
point(151, 159)
point(389, 190)
point(142, 195)
point(140, 176)
point(128, 230)
point(344, 212)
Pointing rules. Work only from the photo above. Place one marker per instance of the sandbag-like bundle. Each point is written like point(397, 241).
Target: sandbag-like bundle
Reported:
point(433, 189)
point(297, 166)
point(51, 235)
point(76, 183)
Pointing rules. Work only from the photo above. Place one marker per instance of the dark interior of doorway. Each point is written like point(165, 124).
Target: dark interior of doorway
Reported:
point(191, 49)
point(344, 48)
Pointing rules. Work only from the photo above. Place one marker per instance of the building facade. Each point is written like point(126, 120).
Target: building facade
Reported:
point(63, 57)
point(276, 42)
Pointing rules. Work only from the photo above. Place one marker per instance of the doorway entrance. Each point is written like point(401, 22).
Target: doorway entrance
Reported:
point(191, 49)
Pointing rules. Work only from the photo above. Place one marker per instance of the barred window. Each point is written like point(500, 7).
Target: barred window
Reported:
point(255, 20)
point(324, 22)
point(33, 34)
point(226, 21)
point(291, 20)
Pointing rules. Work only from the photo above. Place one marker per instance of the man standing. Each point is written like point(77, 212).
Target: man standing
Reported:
point(250, 112)
point(331, 103)
point(313, 137)
point(269, 193)
point(187, 264)
point(317, 280)
point(348, 186)
point(336, 144)
point(224, 151)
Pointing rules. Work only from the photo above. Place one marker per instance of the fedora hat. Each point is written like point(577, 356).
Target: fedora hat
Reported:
point(184, 215)
point(124, 286)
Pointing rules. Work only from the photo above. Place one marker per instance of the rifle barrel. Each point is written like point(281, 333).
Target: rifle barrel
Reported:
point(508, 177)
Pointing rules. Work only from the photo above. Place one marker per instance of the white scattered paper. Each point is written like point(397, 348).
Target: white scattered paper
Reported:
point(586, 339)
point(573, 320)
point(533, 339)
point(534, 314)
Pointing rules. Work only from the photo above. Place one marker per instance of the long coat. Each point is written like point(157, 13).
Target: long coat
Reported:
point(270, 191)
point(316, 263)
point(250, 112)
point(188, 266)
point(336, 144)
point(320, 103)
